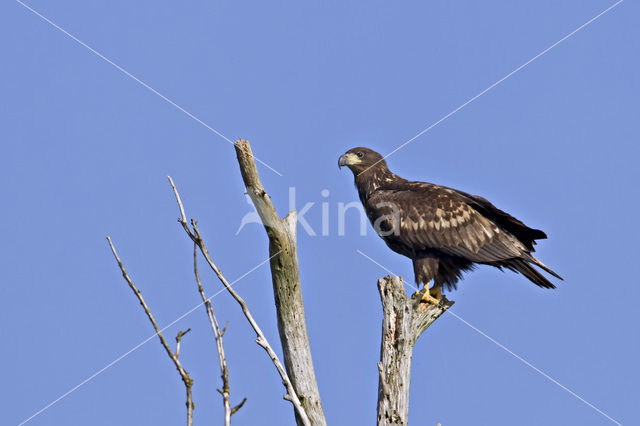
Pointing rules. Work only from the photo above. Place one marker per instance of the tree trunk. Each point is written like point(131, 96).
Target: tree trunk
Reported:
point(285, 275)
point(405, 319)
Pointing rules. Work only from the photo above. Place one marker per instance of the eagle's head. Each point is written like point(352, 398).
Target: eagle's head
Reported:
point(361, 159)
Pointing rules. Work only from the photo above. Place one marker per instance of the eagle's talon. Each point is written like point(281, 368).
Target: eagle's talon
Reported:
point(433, 296)
point(428, 298)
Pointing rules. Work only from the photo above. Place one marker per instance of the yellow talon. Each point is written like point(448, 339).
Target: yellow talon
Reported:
point(433, 295)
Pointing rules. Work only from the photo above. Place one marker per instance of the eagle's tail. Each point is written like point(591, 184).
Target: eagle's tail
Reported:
point(524, 267)
point(545, 267)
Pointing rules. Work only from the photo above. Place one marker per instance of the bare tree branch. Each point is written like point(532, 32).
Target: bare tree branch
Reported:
point(261, 340)
point(179, 339)
point(239, 406)
point(217, 333)
point(405, 319)
point(286, 287)
point(188, 381)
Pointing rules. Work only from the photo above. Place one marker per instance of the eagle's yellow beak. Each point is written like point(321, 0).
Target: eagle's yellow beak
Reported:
point(348, 159)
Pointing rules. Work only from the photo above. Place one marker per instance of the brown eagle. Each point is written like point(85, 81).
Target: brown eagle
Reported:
point(444, 231)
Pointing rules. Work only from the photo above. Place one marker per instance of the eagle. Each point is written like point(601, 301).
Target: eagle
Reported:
point(444, 231)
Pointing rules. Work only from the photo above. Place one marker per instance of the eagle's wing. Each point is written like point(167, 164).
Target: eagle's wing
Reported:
point(503, 219)
point(423, 216)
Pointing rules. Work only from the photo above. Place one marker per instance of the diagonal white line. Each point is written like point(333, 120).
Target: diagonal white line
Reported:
point(501, 346)
point(383, 267)
point(133, 77)
point(545, 375)
point(422, 132)
point(138, 346)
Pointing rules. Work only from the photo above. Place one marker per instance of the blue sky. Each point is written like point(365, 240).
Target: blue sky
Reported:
point(86, 152)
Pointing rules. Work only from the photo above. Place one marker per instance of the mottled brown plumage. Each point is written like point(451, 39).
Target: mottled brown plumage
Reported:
point(444, 231)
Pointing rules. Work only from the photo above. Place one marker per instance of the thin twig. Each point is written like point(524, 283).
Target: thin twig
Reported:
point(188, 381)
point(261, 340)
point(179, 339)
point(217, 333)
point(183, 215)
point(239, 406)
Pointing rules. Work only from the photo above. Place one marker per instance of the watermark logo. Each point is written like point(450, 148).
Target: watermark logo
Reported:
point(387, 220)
point(251, 217)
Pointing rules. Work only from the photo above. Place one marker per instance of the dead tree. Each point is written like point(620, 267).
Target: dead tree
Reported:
point(285, 275)
point(405, 318)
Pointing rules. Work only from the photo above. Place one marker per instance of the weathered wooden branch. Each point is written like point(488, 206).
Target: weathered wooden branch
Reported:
point(217, 334)
point(405, 319)
point(186, 379)
point(286, 288)
point(261, 340)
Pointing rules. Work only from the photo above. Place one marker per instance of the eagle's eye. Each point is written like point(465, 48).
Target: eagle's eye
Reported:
point(359, 154)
